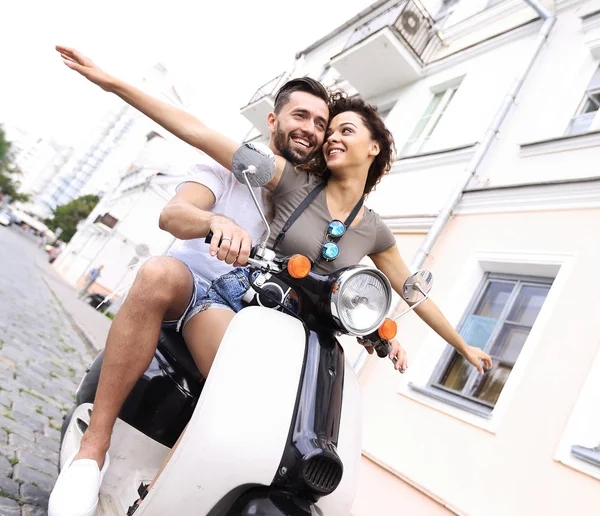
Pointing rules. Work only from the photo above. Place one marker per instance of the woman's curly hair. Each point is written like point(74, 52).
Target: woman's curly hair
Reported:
point(339, 102)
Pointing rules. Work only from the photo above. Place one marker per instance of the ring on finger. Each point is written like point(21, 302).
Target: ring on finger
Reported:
point(225, 238)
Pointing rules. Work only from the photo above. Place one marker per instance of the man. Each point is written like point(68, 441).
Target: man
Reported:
point(165, 289)
point(90, 280)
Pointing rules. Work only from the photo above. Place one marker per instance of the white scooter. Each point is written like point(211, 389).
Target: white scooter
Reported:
point(276, 427)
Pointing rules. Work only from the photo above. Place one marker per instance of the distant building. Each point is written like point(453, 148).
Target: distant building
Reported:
point(39, 159)
point(96, 165)
point(122, 230)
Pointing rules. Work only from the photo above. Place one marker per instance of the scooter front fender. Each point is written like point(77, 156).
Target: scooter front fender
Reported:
point(241, 423)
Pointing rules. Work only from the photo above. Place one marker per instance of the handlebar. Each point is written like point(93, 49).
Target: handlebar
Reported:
point(381, 346)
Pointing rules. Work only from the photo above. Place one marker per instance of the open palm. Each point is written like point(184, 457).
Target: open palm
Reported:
point(85, 66)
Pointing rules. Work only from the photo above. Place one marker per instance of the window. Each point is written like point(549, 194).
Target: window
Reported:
point(425, 127)
point(498, 321)
point(587, 118)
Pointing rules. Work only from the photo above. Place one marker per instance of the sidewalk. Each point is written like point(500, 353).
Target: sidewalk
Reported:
point(92, 325)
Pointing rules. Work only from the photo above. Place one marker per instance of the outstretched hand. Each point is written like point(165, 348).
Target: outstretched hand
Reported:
point(476, 357)
point(85, 66)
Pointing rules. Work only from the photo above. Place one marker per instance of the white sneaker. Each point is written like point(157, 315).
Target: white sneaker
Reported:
point(76, 490)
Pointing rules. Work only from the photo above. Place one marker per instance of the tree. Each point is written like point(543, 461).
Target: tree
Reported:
point(67, 216)
point(9, 186)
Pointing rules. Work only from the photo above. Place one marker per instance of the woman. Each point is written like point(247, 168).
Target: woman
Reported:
point(357, 152)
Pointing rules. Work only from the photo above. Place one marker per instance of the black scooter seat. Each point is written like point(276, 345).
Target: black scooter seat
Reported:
point(171, 343)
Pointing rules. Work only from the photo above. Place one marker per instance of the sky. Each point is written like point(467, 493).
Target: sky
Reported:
point(221, 51)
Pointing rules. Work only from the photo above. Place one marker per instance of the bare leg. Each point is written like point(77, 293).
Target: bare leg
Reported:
point(161, 291)
point(203, 335)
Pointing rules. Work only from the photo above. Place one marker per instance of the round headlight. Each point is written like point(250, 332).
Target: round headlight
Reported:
point(361, 299)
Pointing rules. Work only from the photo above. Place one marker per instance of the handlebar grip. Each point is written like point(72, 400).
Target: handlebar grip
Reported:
point(208, 237)
point(383, 349)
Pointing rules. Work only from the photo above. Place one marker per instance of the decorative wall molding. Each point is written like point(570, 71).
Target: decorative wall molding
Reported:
point(560, 144)
point(562, 5)
point(435, 159)
point(481, 20)
point(576, 195)
point(413, 224)
point(528, 29)
point(590, 25)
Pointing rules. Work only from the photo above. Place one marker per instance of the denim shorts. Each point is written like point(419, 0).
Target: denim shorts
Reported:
point(199, 302)
point(227, 291)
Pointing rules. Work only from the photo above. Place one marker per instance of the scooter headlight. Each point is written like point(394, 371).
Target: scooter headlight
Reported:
point(360, 299)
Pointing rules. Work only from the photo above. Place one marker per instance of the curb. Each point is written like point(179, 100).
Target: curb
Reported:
point(89, 341)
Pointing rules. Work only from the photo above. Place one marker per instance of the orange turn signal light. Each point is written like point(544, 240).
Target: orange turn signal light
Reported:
point(388, 329)
point(298, 266)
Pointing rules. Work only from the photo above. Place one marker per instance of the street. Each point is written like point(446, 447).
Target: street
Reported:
point(42, 359)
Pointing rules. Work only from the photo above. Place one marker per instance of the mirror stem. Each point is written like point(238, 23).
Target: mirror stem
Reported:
point(411, 308)
point(251, 170)
point(416, 286)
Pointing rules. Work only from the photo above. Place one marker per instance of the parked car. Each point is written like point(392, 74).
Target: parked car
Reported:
point(5, 218)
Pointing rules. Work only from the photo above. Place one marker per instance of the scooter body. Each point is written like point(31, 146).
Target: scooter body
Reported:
point(273, 389)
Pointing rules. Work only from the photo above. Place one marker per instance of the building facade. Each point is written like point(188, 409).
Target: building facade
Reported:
point(513, 265)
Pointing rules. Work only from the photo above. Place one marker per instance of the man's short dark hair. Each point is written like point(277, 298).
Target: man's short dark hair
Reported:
point(306, 84)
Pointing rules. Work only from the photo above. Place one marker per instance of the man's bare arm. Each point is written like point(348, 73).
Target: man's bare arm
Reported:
point(188, 216)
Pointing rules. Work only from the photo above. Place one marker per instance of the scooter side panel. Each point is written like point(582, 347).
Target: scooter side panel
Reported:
point(240, 426)
point(349, 448)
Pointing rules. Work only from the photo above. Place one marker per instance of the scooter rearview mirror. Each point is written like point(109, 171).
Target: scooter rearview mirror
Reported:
point(416, 289)
point(258, 163)
point(417, 286)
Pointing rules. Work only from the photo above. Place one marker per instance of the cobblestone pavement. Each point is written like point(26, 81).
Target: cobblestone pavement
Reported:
point(42, 359)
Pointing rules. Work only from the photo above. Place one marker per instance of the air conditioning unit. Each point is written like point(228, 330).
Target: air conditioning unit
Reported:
point(410, 22)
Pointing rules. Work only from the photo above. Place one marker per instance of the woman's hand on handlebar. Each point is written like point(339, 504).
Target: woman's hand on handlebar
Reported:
point(229, 243)
point(400, 353)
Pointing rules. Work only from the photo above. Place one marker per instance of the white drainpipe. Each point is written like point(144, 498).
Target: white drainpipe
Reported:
point(480, 153)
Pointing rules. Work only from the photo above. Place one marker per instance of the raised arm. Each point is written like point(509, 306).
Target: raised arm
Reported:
point(180, 123)
point(391, 264)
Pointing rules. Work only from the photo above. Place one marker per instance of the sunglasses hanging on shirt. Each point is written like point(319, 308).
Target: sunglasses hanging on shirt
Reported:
point(335, 231)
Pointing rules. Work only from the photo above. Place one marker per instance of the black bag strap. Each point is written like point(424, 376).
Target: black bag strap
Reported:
point(297, 212)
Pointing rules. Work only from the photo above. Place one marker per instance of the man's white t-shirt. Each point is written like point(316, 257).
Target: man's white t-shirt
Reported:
point(233, 200)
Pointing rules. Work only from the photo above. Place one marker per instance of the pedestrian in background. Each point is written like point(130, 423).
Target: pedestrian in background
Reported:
point(90, 279)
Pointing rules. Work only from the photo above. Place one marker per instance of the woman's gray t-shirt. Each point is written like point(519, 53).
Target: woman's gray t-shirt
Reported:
point(308, 233)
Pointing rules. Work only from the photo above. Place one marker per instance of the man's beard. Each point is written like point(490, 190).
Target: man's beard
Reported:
point(294, 156)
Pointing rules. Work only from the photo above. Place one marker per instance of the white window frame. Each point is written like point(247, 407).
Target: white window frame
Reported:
point(550, 265)
point(589, 95)
point(417, 145)
point(461, 400)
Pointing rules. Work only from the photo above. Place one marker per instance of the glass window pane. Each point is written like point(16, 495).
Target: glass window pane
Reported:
point(477, 330)
point(420, 127)
point(439, 116)
point(489, 386)
point(589, 106)
point(457, 373)
point(581, 124)
point(509, 343)
point(528, 304)
point(495, 298)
